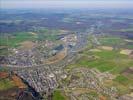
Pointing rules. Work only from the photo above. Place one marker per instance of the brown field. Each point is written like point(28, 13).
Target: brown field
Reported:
point(12, 94)
point(33, 33)
point(128, 71)
point(61, 55)
point(109, 48)
point(9, 94)
point(95, 50)
point(102, 98)
point(63, 31)
point(3, 47)
point(4, 74)
point(131, 55)
point(18, 82)
point(26, 45)
point(79, 91)
point(126, 51)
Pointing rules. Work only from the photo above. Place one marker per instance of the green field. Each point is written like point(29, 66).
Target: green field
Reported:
point(58, 95)
point(111, 61)
point(3, 51)
point(46, 34)
point(110, 40)
point(108, 61)
point(125, 30)
point(6, 84)
point(13, 41)
point(123, 83)
point(115, 41)
point(129, 46)
point(121, 79)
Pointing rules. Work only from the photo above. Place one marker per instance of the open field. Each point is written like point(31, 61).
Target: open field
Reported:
point(46, 34)
point(15, 40)
point(58, 57)
point(33, 33)
point(130, 46)
point(6, 84)
point(125, 30)
point(27, 45)
point(4, 51)
point(116, 41)
point(126, 51)
point(111, 61)
point(18, 82)
point(122, 79)
point(95, 50)
point(110, 40)
point(58, 95)
point(128, 72)
point(3, 75)
point(106, 48)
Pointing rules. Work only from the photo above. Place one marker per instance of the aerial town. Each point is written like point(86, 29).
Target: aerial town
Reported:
point(66, 54)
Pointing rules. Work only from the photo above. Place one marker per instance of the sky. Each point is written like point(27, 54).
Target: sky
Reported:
point(66, 4)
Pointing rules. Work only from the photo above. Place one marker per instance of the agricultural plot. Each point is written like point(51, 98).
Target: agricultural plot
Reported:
point(108, 59)
point(110, 40)
point(104, 60)
point(116, 41)
point(58, 95)
point(6, 84)
point(58, 57)
point(16, 39)
point(125, 30)
point(46, 34)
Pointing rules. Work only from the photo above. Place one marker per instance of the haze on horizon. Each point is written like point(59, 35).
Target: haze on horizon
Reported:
point(15, 4)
